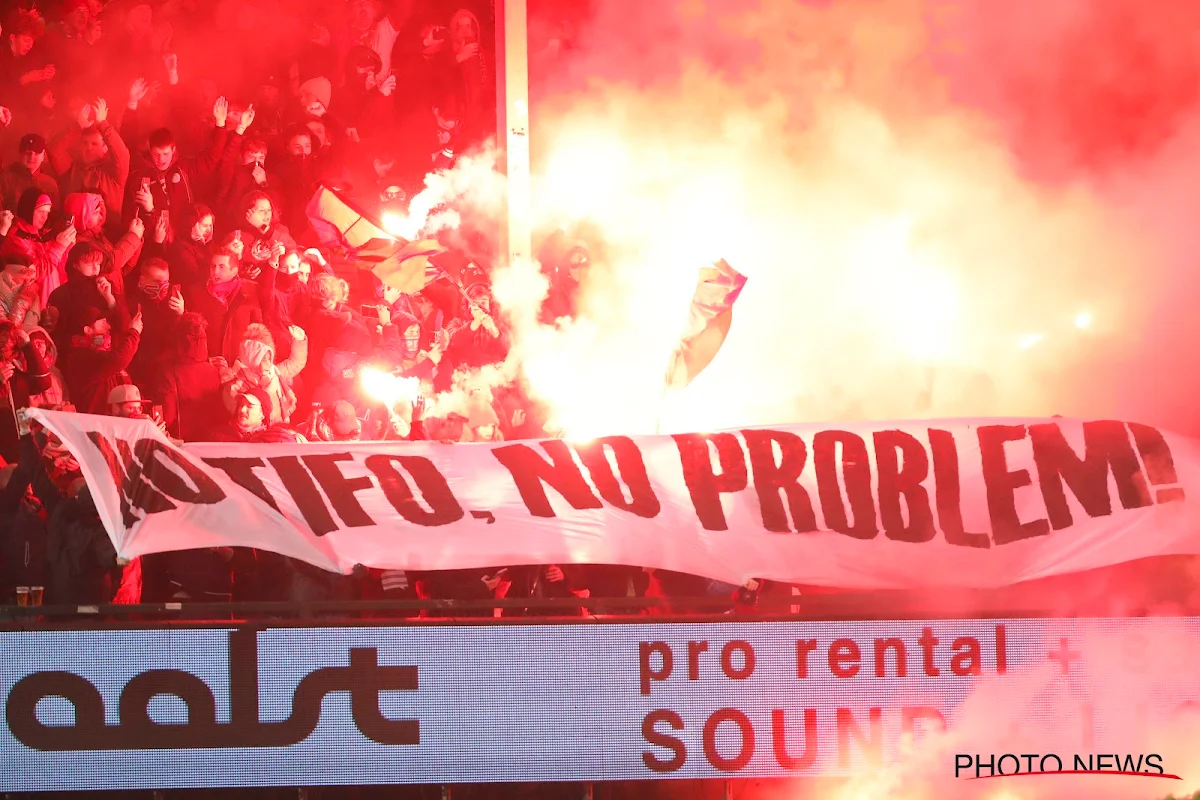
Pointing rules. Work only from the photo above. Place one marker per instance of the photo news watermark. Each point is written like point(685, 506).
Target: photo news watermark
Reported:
point(1007, 765)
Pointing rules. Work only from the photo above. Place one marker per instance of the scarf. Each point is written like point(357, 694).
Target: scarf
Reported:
point(11, 290)
point(224, 292)
point(90, 343)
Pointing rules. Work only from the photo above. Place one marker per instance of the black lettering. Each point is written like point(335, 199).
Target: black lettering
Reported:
point(340, 489)
point(307, 498)
point(948, 493)
point(1106, 447)
point(1160, 466)
point(632, 469)
point(704, 485)
point(856, 469)
point(1002, 485)
point(1154, 762)
point(770, 479)
point(903, 465)
point(135, 492)
point(430, 483)
point(203, 491)
point(529, 471)
point(240, 470)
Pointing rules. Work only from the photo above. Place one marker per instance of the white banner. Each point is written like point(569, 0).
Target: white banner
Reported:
point(180, 707)
point(894, 505)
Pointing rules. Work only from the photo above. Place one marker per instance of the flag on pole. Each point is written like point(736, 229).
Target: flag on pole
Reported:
point(406, 266)
point(708, 324)
point(337, 222)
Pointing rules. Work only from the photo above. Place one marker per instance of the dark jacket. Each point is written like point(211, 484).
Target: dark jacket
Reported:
point(157, 334)
point(81, 562)
point(30, 377)
point(226, 323)
point(22, 529)
point(189, 259)
point(190, 391)
point(178, 188)
point(106, 178)
point(72, 300)
point(91, 374)
point(17, 178)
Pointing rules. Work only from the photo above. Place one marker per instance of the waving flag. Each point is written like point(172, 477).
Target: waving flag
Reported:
point(708, 322)
point(339, 223)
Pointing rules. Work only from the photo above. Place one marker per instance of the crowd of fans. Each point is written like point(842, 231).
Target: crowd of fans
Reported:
point(158, 262)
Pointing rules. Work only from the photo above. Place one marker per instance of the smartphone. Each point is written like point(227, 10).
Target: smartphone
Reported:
point(146, 183)
point(371, 312)
point(156, 413)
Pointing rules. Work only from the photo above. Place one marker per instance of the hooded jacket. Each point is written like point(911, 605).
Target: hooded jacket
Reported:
point(47, 255)
point(190, 387)
point(92, 374)
point(119, 258)
point(19, 302)
point(179, 187)
point(189, 258)
point(56, 393)
point(72, 299)
point(227, 322)
point(256, 346)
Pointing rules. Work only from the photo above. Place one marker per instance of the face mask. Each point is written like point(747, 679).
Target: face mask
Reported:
point(155, 291)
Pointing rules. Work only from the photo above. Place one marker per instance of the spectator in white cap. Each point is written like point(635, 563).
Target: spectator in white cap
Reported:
point(126, 401)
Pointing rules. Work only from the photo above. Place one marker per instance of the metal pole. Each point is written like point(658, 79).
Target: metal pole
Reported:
point(512, 114)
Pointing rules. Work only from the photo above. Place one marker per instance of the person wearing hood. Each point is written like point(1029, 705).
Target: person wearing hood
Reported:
point(27, 172)
point(55, 395)
point(84, 289)
point(298, 171)
point(263, 236)
point(474, 72)
point(173, 185)
point(475, 342)
point(19, 301)
point(161, 304)
point(22, 523)
point(190, 386)
point(256, 368)
point(566, 263)
point(401, 346)
point(102, 165)
point(227, 301)
point(100, 356)
point(28, 237)
point(362, 103)
point(190, 254)
point(88, 214)
point(22, 374)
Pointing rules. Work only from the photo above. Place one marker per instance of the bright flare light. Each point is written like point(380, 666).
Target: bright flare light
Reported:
point(387, 388)
point(1083, 320)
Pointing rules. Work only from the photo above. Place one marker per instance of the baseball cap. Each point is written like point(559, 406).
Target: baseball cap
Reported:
point(345, 421)
point(125, 393)
point(32, 143)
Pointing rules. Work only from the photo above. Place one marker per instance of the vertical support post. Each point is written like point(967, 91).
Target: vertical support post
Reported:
point(512, 114)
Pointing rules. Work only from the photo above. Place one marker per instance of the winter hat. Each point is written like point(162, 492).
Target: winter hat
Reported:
point(79, 206)
point(319, 88)
point(258, 332)
point(254, 352)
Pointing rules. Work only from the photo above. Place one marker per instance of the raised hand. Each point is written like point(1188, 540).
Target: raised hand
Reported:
point(101, 108)
point(259, 174)
point(175, 302)
point(138, 92)
point(136, 323)
point(67, 237)
point(143, 198)
point(388, 86)
point(247, 119)
point(6, 221)
point(137, 227)
point(469, 51)
point(297, 333)
point(86, 114)
point(104, 285)
point(221, 111)
point(48, 72)
point(171, 62)
point(5, 117)
point(418, 408)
